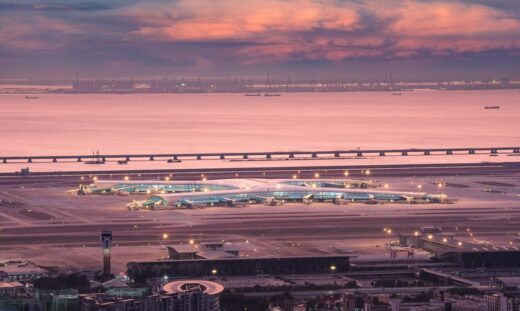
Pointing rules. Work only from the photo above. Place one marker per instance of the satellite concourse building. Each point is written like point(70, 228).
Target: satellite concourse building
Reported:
point(274, 192)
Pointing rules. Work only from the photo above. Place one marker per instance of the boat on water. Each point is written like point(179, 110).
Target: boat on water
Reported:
point(253, 94)
point(397, 94)
point(31, 97)
point(272, 94)
point(96, 159)
point(492, 107)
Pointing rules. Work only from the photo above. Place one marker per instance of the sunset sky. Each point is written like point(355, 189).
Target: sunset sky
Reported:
point(425, 40)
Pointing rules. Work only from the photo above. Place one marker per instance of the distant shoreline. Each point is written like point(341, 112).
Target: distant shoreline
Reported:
point(28, 91)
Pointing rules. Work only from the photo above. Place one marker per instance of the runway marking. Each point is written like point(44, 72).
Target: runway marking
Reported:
point(14, 219)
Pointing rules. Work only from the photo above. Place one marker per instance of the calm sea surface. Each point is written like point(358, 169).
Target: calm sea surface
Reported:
point(71, 124)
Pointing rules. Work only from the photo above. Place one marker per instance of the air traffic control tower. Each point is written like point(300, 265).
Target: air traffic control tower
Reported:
point(106, 242)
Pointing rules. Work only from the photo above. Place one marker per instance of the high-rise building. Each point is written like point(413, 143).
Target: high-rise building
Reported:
point(498, 302)
point(194, 295)
point(106, 242)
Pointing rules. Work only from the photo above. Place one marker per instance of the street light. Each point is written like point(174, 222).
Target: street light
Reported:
point(165, 236)
point(332, 268)
point(214, 271)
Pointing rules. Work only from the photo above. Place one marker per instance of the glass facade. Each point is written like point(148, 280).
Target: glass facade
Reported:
point(169, 188)
point(289, 195)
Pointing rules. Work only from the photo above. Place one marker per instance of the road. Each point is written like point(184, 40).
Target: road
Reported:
point(374, 171)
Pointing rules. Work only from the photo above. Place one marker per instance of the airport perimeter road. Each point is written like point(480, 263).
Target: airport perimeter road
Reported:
point(456, 169)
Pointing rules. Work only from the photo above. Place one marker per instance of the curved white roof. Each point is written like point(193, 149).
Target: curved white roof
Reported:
point(283, 187)
point(208, 287)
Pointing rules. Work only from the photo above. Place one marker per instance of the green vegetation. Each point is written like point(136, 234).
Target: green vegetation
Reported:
point(74, 280)
point(465, 291)
point(304, 287)
point(232, 302)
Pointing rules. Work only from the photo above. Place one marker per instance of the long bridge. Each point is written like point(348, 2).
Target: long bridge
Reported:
point(263, 154)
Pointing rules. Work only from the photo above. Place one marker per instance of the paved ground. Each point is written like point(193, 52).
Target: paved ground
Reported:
point(51, 228)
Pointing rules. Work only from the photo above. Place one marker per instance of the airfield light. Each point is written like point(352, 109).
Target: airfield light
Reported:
point(389, 231)
point(332, 268)
point(148, 191)
point(192, 241)
point(204, 179)
point(384, 229)
point(430, 236)
point(278, 186)
point(214, 271)
point(416, 233)
point(82, 178)
point(367, 172)
point(236, 174)
point(167, 178)
point(348, 186)
point(94, 178)
point(165, 277)
point(165, 236)
point(439, 185)
point(294, 176)
point(316, 175)
point(419, 186)
point(345, 173)
point(314, 185)
point(126, 178)
point(510, 242)
point(459, 243)
point(386, 186)
point(445, 240)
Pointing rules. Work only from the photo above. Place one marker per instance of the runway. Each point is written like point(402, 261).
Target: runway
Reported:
point(50, 226)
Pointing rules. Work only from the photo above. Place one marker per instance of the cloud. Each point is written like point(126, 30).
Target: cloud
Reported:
point(80, 6)
point(232, 20)
point(331, 30)
point(206, 33)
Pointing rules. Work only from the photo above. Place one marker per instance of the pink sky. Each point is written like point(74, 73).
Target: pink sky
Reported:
point(202, 37)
